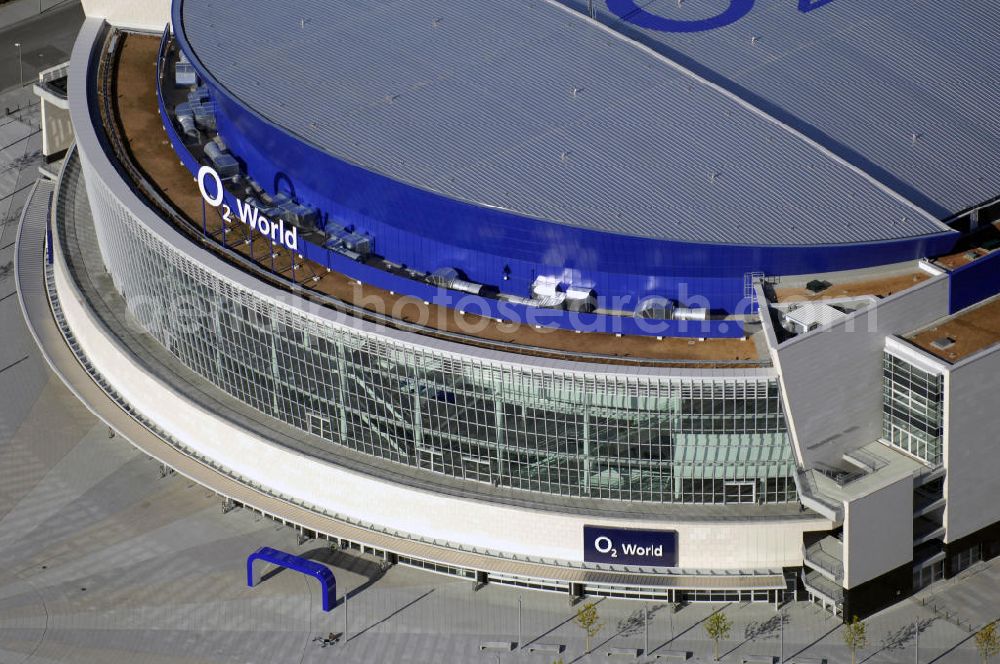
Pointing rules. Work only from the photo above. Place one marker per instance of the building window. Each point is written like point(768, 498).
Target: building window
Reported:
point(925, 576)
point(966, 559)
point(912, 409)
point(740, 492)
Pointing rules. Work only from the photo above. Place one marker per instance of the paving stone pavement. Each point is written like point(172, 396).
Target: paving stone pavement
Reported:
point(20, 156)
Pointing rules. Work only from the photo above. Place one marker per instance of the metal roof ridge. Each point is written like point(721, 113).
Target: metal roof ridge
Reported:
point(756, 110)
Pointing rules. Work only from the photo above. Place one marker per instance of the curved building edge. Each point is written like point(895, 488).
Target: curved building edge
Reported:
point(447, 532)
point(433, 389)
point(499, 536)
point(908, 515)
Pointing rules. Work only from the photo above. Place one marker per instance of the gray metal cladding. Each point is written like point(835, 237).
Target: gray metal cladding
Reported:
point(864, 77)
point(529, 107)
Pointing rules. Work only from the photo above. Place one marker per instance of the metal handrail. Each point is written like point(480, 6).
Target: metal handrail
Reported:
point(820, 557)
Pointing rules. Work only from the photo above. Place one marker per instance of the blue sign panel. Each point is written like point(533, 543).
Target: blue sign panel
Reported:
point(627, 546)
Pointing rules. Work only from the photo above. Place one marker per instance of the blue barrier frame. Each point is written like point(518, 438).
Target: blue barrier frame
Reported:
point(266, 554)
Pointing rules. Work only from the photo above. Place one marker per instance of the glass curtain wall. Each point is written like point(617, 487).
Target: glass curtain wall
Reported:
point(635, 438)
point(912, 409)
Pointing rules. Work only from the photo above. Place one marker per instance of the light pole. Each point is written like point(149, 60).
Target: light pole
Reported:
point(520, 638)
point(781, 626)
point(20, 64)
point(645, 631)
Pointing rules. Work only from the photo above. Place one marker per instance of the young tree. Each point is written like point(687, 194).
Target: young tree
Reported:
point(988, 641)
point(589, 621)
point(717, 627)
point(855, 637)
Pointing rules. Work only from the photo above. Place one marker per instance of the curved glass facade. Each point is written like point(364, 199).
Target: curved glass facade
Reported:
point(710, 439)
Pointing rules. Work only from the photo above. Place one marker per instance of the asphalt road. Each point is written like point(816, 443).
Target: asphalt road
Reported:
point(45, 41)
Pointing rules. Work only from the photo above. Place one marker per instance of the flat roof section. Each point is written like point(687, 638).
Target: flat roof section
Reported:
point(877, 285)
point(530, 107)
point(973, 247)
point(959, 336)
point(150, 149)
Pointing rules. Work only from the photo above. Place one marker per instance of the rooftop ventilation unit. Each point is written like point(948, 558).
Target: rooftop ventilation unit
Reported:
point(547, 292)
point(943, 343)
point(686, 313)
point(810, 316)
point(817, 286)
point(517, 299)
point(199, 95)
point(283, 207)
point(550, 301)
point(655, 307)
point(444, 277)
point(341, 238)
point(185, 118)
point(204, 115)
point(184, 75)
point(449, 277)
point(213, 151)
point(579, 299)
point(225, 164)
point(545, 287)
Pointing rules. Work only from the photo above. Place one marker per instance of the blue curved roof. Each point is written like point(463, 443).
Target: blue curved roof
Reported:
point(526, 106)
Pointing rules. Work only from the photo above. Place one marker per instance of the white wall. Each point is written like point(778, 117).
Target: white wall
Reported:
point(972, 444)
point(878, 532)
point(832, 378)
point(135, 14)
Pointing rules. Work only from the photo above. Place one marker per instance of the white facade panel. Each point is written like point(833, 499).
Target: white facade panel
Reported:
point(57, 129)
point(972, 444)
point(150, 15)
point(878, 532)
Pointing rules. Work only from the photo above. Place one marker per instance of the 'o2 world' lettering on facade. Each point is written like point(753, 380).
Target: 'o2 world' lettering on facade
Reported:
point(248, 213)
point(629, 546)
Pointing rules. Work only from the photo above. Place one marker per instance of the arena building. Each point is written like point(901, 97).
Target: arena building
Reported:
point(666, 302)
